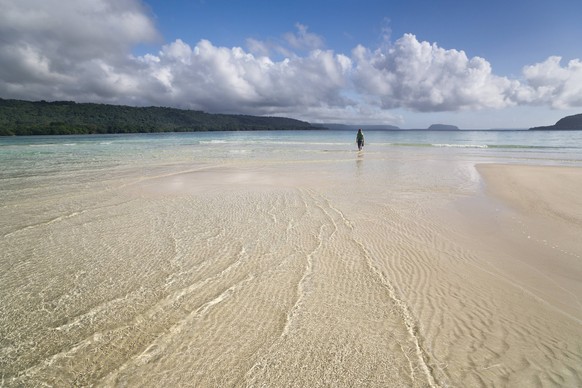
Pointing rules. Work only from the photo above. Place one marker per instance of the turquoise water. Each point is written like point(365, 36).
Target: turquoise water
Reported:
point(25, 156)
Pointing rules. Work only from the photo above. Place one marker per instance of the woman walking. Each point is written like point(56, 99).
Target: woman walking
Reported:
point(360, 139)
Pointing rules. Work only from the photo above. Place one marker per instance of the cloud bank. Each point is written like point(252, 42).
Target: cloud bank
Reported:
point(65, 49)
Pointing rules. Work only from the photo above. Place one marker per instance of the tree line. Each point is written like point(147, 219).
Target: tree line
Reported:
point(25, 118)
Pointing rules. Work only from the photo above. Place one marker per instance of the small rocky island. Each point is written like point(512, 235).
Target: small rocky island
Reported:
point(443, 127)
point(568, 123)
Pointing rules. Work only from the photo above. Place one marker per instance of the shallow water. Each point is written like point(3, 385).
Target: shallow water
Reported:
point(269, 258)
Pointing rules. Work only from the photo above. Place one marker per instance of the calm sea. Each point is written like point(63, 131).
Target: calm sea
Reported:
point(39, 155)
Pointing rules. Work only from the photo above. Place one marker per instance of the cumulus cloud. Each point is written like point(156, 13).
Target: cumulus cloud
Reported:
point(64, 48)
point(425, 77)
point(76, 30)
point(548, 83)
point(231, 79)
point(67, 49)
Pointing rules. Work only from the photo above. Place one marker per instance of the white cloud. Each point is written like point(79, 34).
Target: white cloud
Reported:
point(258, 47)
point(548, 83)
point(60, 48)
point(304, 39)
point(424, 77)
point(230, 79)
point(293, 42)
point(72, 30)
point(81, 50)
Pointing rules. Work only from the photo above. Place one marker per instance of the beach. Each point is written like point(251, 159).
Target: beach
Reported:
point(234, 264)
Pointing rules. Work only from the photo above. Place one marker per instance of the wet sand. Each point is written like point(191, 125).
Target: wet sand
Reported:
point(547, 196)
point(355, 271)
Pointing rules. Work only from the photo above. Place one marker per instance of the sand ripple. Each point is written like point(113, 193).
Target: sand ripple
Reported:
point(253, 276)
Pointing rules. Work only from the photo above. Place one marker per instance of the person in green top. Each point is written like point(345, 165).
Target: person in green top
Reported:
point(360, 139)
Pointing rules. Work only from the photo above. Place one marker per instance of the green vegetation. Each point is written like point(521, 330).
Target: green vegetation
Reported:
point(23, 118)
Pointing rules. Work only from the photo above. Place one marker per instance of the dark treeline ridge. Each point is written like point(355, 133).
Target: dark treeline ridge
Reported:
point(24, 118)
point(568, 123)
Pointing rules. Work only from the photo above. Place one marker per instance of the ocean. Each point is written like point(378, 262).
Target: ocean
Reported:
point(37, 155)
point(276, 259)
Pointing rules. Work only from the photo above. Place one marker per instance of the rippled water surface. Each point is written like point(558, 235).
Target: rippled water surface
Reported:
point(265, 258)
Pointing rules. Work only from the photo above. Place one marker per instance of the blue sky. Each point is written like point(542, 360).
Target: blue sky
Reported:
point(509, 33)
point(411, 63)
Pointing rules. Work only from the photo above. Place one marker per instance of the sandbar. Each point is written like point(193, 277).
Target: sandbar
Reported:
point(333, 271)
point(538, 224)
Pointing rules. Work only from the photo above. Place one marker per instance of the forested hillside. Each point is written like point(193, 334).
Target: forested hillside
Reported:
point(66, 118)
point(567, 123)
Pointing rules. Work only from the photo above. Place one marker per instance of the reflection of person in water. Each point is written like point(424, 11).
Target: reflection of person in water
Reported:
point(360, 139)
point(359, 163)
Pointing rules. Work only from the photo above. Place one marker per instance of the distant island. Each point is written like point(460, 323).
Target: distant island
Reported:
point(568, 123)
point(23, 118)
point(443, 127)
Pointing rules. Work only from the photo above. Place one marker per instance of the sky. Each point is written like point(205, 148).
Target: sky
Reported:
point(409, 63)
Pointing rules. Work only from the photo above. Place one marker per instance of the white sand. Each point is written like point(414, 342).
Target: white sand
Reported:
point(544, 227)
point(352, 272)
point(544, 194)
